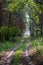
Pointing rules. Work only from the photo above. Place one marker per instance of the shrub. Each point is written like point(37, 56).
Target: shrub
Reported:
point(3, 32)
point(8, 33)
point(14, 31)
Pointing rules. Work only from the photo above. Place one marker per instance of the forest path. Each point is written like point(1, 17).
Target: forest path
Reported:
point(15, 48)
point(27, 46)
point(20, 44)
point(26, 55)
point(8, 56)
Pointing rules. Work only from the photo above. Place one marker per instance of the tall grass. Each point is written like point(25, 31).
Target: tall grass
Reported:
point(37, 42)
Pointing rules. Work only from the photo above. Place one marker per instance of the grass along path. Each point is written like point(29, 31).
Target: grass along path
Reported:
point(37, 43)
point(7, 45)
point(17, 56)
point(18, 51)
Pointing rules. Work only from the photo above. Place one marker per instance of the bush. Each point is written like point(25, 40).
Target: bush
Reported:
point(14, 32)
point(37, 42)
point(3, 32)
point(8, 33)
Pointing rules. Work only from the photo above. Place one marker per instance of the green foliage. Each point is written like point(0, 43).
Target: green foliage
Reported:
point(37, 43)
point(17, 57)
point(9, 32)
point(5, 46)
point(17, 39)
point(14, 31)
point(33, 8)
point(14, 5)
point(3, 30)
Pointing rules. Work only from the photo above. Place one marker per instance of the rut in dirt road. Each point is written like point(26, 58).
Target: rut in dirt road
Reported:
point(26, 60)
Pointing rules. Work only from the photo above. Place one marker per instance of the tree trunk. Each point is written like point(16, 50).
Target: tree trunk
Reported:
point(41, 22)
point(0, 14)
point(1, 10)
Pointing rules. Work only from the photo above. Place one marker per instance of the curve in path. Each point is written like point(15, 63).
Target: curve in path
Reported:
point(8, 56)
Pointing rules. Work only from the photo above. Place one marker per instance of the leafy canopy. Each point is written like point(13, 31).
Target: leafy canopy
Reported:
point(16, 4)
point(33, 5)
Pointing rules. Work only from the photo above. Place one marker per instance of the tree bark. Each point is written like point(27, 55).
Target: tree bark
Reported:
point(0, 14)
point(41, 22)
point(1, 10)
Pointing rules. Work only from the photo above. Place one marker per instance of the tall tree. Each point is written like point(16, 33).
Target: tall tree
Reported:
point(1, 9)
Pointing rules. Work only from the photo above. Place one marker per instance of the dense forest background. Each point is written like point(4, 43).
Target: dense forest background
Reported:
point(12, 18)
point(21, 32)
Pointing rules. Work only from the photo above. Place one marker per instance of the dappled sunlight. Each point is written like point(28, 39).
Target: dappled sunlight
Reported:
point(27, 30)
point(21, 32)
point(26, 52)
point(18, 52)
